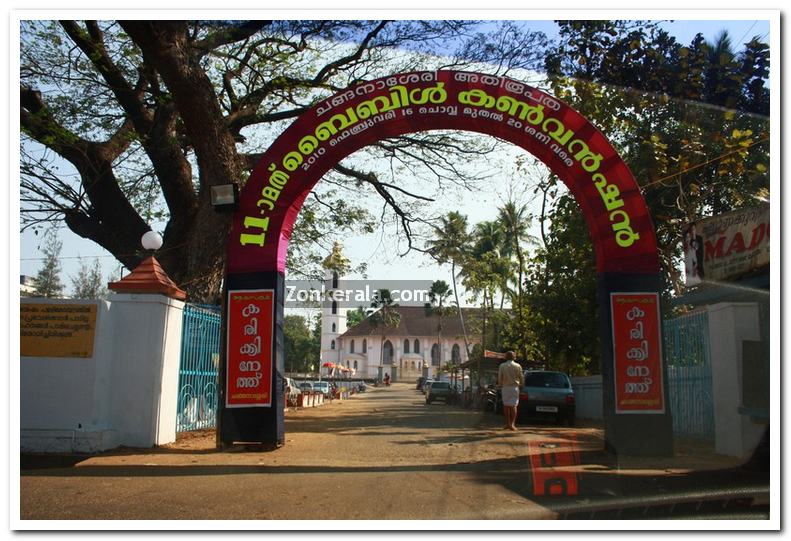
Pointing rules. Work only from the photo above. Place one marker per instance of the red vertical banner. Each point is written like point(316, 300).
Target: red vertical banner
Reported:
point(249, 354)
point(637, 352)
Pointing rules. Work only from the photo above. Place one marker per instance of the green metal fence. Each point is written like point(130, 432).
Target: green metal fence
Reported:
point(200, 355)
point(691, 401)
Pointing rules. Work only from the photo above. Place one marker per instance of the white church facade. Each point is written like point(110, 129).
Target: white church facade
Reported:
point(415, 347)
point(412, 349)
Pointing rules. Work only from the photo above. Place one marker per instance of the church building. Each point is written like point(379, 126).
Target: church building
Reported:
point(418, 346)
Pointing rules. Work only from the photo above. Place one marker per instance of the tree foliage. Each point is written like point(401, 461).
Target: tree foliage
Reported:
point(690, 121)
point(47, 281)
point(130, 123)
point(301, 346)
point(353, 317)
point(89, 283)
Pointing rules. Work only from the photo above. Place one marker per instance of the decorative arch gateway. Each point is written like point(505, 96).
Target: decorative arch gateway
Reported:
point(636, 416)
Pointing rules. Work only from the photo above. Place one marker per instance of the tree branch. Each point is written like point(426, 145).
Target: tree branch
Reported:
point(327, 70)
point(382, 189)
point(156, 129)
point(92, 45)
point(94, 162)
point(246, 112)
point(229, 34)
point(164, 45)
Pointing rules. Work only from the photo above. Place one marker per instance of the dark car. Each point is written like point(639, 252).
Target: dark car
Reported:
point(438, 390)
point(546, 395)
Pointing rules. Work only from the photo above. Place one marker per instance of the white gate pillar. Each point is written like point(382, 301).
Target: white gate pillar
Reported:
point(147, 318)
point(730, 324)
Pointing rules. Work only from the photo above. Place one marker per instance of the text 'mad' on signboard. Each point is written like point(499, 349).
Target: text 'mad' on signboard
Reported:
point(727, 246)
point(637, 351)
point(249, 359)
point(57, 330)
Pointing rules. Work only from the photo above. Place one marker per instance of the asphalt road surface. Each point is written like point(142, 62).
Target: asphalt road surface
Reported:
point(383, 454)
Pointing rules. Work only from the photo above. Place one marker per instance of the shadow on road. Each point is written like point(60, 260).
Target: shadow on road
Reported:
point(392, 439)
point(505, 465)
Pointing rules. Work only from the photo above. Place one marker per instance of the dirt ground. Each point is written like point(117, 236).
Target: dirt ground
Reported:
point(383, 454)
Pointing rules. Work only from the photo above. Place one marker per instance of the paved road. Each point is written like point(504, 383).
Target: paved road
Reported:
point(383, 454)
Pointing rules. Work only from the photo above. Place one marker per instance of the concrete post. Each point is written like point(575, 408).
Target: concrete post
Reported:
point(147, 330)
point(730, 324)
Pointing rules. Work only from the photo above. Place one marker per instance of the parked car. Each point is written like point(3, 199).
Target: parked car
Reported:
point(547, 394)
point(306, 387)
point(426, 385)
point(438, 390)
point(323, 387)
point(420, 381)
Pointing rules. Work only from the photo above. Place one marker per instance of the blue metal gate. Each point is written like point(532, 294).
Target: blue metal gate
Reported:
point(200, 355)
point(689, 375)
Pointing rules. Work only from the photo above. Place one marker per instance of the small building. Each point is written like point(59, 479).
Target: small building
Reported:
point(415, 347)
point(27, 285)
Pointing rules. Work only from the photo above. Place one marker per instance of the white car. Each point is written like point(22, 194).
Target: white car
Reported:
point(322, 386)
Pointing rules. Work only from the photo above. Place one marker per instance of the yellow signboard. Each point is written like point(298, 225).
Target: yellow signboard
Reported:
point(57, 330)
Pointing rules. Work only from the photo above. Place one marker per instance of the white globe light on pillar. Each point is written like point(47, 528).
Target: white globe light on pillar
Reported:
point(151, 240)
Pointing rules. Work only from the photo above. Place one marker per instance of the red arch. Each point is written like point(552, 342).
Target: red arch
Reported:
point(621, 228)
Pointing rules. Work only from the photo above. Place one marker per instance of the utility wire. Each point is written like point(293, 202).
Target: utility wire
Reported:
point(718, 158)
point(741, 39)
point(160, 251)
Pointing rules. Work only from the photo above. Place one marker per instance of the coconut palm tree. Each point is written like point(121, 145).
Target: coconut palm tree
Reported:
point(383, 314)
point(450, 245)
point(438, 295)
point(722, 81)
point(515, 222)
point(489, 245)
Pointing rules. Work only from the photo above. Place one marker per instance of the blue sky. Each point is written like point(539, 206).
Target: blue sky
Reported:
point(368, 248)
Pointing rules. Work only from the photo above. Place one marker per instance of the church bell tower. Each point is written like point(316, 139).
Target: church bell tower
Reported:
point(333, 315)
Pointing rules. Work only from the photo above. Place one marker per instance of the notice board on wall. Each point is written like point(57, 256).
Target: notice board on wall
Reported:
point(57, 330)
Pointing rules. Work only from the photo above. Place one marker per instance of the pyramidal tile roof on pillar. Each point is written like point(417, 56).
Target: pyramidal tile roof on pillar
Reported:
point(149, 277)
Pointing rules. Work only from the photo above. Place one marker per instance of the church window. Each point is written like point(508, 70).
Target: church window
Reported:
point(435, 354)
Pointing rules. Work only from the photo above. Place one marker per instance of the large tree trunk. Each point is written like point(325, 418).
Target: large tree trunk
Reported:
point(195, 260)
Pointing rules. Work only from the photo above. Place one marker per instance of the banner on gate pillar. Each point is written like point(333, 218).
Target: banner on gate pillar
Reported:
point(637, 352)
point(249, 355)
